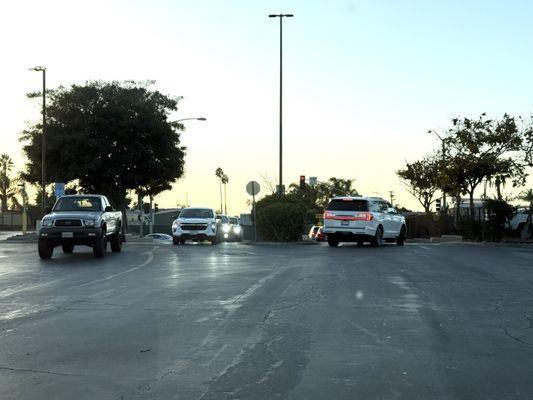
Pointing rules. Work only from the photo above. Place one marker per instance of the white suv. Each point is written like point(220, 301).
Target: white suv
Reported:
point(197, 224)
point(363, 219)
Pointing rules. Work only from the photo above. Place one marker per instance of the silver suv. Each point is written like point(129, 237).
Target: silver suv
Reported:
point(363, 219)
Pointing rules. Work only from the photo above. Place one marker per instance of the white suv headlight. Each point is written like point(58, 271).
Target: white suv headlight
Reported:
point(89, 222)
point(47, 223)
point(213, 226)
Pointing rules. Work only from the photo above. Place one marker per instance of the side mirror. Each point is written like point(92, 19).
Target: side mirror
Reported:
point(108, 209)
point(391, 210)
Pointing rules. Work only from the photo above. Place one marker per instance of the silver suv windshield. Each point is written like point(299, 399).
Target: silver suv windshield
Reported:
point(196, 213)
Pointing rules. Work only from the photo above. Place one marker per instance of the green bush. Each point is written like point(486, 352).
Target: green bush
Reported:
point(281, 219)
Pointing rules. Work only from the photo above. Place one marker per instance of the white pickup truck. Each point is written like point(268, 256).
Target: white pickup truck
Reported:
point(81, 220)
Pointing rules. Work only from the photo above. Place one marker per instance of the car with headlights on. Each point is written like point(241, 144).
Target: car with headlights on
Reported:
point(74, 220)
point(196, 224)
point(235, 234)
point(225, 227)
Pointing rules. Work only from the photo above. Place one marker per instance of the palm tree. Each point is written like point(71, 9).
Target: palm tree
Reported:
point(220, 174)
point(6, 191)
point(225, 181)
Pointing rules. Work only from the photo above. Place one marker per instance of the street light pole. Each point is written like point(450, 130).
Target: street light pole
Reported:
point(187, 119)
point(280, 16)
point(443, 142)
point(43, 141)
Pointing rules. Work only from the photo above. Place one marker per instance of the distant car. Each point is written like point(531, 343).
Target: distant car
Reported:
point(363, 219)
point(160, 237)
point(197, 224)
point(312, 232)
point(236, 229)
point(320, 237)
point(225, 226)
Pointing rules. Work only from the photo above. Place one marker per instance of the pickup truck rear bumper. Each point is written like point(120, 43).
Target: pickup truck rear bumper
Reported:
point(55, 236)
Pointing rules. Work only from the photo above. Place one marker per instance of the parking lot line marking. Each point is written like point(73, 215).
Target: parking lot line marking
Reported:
point(366, 332)
point(144, 264)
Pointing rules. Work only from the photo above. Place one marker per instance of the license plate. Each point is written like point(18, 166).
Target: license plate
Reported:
point(67, 234)
point(345, 223)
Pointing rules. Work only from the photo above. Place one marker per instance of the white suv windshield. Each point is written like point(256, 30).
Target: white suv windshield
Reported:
point(196, 213)
point(347, 205)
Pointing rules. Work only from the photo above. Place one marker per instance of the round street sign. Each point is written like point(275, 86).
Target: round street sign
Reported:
point(253, 188)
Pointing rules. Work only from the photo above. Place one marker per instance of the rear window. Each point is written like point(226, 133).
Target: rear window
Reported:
point(233, 220)
point(347, 205)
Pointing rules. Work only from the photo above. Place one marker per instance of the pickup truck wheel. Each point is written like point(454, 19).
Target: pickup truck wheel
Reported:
point(45, 249)
point(400, 240)
point(67, 248)
point(333, 241)
point(99, 246)
point(377, 240)
point(116, 242)
point(182, 241)
point(175, 241)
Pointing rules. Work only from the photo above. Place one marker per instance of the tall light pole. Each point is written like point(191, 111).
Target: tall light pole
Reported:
point(443, 141)
point(280, 16)
point(187, 119)
point(43, 141)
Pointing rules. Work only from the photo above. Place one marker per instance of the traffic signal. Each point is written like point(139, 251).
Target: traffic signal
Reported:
point(302, 181)
point(146, 208)
point(156, 207)
point(437, 205)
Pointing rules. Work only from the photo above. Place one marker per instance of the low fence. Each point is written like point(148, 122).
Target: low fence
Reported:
point(12, 220)
point(422, 226)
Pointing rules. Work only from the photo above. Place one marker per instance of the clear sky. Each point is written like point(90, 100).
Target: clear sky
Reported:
point(364, 80)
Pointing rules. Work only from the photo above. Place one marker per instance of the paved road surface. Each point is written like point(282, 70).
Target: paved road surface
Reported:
point(448, 321)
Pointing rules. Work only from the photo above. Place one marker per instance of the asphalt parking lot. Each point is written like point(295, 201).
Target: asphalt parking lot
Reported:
point(235, 321)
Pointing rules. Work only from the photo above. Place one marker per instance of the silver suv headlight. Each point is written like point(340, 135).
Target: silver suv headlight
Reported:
point(47, 223)
point(89, 222)
point(213, 226)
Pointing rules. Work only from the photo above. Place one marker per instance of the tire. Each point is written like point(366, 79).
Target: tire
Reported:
point(116, 242)
point(400, 240)
point(215, 240)
point(181, 241)
point(377, 240)
point(45, 250)
point(175, 241)
point(100, 246)
point(333, 241)
point(67, 248)
point(360, 243)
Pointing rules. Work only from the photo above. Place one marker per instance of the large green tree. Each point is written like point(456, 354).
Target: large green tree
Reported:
point(110, 137)
point(421, 179)
point(487, 149)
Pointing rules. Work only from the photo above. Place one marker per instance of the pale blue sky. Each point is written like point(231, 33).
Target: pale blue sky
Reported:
point(364, 80)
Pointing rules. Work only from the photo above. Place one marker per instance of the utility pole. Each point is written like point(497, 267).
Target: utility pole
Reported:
point(43, 142)
point(391, 193)
point(280, 16)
